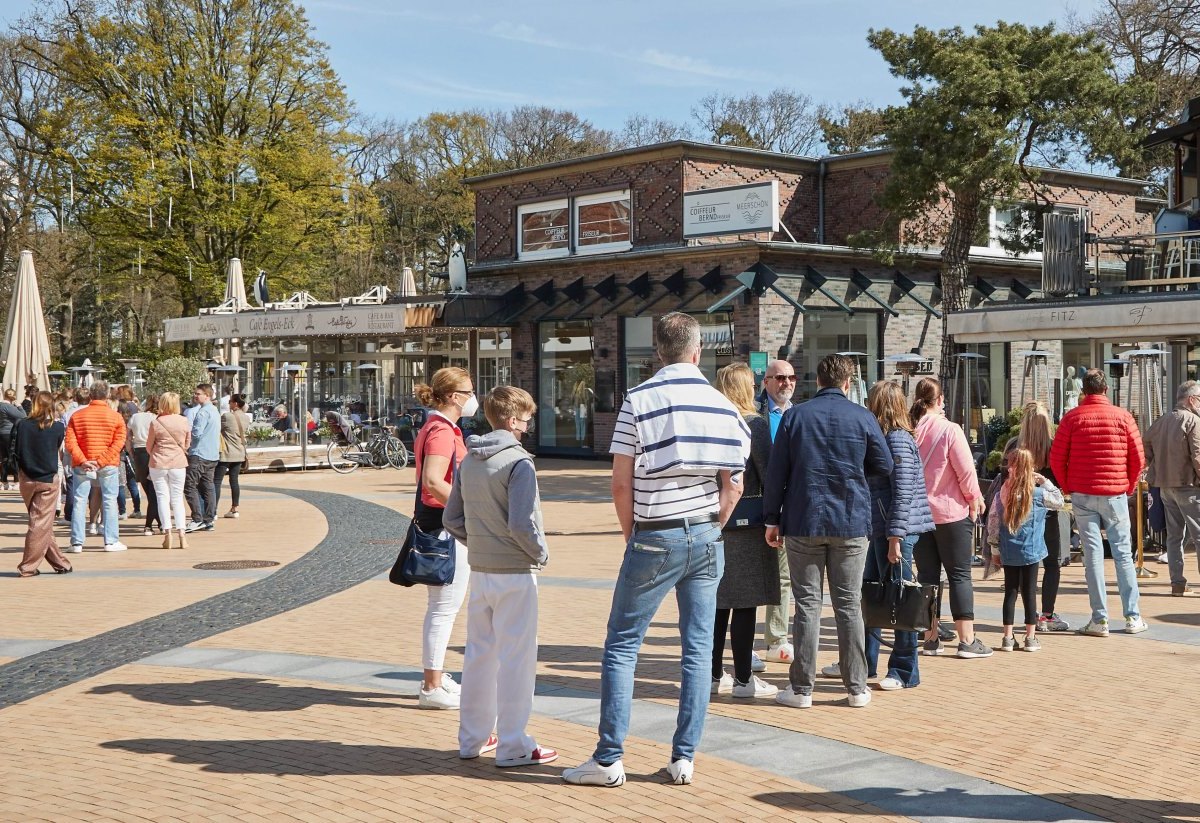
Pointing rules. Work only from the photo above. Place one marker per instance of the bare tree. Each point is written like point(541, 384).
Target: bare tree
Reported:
point(784, 121)
point(532, 135)
point(642, 130)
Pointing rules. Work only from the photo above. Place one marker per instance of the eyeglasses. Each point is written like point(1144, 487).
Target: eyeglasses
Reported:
point(464, 391)
point(783, 378)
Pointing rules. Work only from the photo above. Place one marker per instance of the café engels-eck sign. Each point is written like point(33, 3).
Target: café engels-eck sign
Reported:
point(731, 210)
point(317, 321)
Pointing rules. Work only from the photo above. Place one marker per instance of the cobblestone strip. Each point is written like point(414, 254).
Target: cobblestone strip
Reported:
point(362, 540)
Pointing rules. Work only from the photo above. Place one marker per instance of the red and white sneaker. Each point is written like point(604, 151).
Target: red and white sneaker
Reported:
point(781, 653)
point(489, 746)
point(536, 757)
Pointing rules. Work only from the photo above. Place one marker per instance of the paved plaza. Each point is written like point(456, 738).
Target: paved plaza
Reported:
point(140, 688)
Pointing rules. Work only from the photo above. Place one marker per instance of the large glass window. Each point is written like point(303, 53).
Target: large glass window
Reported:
point(830, 332)
point(567, 385)
point(543, 230)
point(602, 223)
point(495, 360)
point(641, 361)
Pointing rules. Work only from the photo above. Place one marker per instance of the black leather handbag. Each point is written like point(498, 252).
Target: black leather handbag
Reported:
point(904, 606)
point(424, 558)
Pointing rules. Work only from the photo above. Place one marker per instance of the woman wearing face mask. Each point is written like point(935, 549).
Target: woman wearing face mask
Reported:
point(439, 448)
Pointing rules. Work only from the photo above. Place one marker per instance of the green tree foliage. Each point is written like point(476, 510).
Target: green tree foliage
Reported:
point(978, 106)
point(178, 374)
point(197, 131)
point(855, 127)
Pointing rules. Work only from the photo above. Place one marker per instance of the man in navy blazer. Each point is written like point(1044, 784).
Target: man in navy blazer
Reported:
point(817, 505)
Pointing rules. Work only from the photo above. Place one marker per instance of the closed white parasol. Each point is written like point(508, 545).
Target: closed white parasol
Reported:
point(26, 348)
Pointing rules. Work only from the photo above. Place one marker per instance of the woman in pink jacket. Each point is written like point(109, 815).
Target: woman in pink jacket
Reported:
point(956, 502)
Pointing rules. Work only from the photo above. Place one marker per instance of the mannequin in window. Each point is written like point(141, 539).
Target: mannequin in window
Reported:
point(1072, 387)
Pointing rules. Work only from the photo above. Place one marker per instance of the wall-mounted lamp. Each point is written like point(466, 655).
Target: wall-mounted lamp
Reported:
point(602, 353)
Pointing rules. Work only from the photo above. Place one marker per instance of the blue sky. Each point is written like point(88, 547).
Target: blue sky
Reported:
point(606, 61)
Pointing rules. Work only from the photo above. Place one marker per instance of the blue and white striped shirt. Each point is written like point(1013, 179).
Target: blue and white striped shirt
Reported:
point(700, 422)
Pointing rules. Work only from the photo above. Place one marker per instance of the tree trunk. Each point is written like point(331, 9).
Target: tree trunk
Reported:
point(955, 270)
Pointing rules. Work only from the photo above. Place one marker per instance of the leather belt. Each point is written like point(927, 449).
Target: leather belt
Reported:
point(677, 523)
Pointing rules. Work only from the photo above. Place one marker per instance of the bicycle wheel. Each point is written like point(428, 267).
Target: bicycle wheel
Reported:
point(397, 454)
point(336, 455)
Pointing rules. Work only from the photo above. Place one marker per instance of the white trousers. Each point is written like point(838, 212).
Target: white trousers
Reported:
point(168, 488)
point(443, 605)
point(500, 664)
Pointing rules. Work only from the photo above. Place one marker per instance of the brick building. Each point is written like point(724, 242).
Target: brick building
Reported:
point(574, 259)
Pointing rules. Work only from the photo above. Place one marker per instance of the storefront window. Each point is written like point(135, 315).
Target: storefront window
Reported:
point(1076, 357)
point(641, 361)
point(830, 332)
point(495, 360)
point(567, 385)
point(543, 230)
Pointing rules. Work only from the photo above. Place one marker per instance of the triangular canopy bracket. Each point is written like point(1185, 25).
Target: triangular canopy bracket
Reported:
point(864, 284)
point(909, 287)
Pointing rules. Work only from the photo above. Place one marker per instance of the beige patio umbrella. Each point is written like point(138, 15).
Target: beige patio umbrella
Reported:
point(408, 284)
point(235, 285)
point(26, 352)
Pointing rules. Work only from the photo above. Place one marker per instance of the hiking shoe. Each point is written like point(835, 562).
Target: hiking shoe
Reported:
point(857, 701)
point(889, 684)
point(933, 647)
point(781, 653)
point(439, 698)
point(489, 746)
point(591, 773)
point(1032, 644)
point(538, 756)
point(757, 687)
point(115, 547)
point(1135, 625)
point(724, 684)
point(974, 649)
point(946, 634)
point(793, 698)
point(680, 771)
point(1095, 628)
point(1052, 623)
point(1008, 644)
point(832, 670)
point(756, 663)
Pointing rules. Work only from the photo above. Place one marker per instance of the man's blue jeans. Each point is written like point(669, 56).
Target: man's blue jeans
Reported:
point(109, 482)
point(1093, 512)
point(902, 662)
point(691, 561)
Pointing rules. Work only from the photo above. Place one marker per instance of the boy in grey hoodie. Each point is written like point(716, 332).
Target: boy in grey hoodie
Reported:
point(494, 508)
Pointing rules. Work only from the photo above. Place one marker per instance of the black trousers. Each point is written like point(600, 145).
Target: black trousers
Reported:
point(1023, 580)
point(235, 488)
point(198, 489)
point(741, 638)
point(141, 470)
point(949, 546)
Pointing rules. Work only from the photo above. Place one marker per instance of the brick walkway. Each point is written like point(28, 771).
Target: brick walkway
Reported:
point(291, 695)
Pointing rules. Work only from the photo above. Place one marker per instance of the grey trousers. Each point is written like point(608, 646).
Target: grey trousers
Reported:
point(775, 627)
point(809, 558)
point(1182, 506)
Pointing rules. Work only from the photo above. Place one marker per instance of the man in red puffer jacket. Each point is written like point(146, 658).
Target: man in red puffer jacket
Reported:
point(1097, 458)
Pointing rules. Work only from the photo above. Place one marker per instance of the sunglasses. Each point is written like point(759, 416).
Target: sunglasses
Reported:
point(783, 378)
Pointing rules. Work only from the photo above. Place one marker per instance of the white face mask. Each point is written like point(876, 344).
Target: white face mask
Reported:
point(470, 407)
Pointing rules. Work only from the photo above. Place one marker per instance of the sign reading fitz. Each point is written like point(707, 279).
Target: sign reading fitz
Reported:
point(733, 210)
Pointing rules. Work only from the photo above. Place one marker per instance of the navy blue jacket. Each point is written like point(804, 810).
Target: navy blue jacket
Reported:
point(899, 504)
point(816, 482)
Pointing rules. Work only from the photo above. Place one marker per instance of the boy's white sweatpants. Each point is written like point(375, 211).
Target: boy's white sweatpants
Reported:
point(500, 663)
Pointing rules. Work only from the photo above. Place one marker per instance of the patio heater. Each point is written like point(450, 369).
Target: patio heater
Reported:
point(129, 364)
point(858, 386)
point(370, 371)
point(1033, 374)
point(1117, 367)
point(1145, 403)
point(56, 377)
point(906, 365)
point(295, 372)
point(964, 364)
point(229, 372)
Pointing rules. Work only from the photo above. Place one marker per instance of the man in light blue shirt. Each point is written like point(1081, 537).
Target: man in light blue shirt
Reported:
point(778, 387)
point(203, 455)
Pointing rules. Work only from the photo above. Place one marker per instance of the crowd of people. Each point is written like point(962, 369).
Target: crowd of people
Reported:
point(735, 501)
point(81, 457)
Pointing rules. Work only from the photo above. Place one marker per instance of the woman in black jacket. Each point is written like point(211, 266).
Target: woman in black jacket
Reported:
point(36, 444)
point(10, 415)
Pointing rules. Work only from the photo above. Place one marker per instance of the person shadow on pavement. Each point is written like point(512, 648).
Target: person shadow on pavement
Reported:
point(247, 695)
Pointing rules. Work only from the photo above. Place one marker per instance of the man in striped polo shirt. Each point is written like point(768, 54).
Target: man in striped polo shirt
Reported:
point(678, 449)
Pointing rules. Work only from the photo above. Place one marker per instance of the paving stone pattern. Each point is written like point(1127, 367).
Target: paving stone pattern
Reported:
point(362, 541)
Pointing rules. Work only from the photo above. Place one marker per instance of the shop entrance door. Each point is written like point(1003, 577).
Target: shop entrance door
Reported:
point(566, 386)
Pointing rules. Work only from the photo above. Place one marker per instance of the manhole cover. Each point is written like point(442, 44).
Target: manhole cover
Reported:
point(225, 565)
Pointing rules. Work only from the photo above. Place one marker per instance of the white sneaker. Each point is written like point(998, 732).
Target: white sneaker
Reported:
point(539, 755)
point(756, 663)
point(193, 526)
point(857, 701)
point(788, 697)
point(94, 529)
point(1135, 625)
point(832, 670)
point(724, 685)
point(781, 653)
point(591, 773)
point(1164, 558)
point(233, 515)
point(890, 684)
point(75, 548)
point(755, 688)
point(680, 771)
point(115, 547)
point(123, 516)
point(1095, 628)
point(449, 685)
point(438, 698)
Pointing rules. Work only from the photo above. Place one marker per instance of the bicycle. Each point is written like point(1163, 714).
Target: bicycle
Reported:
point(381, 449)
